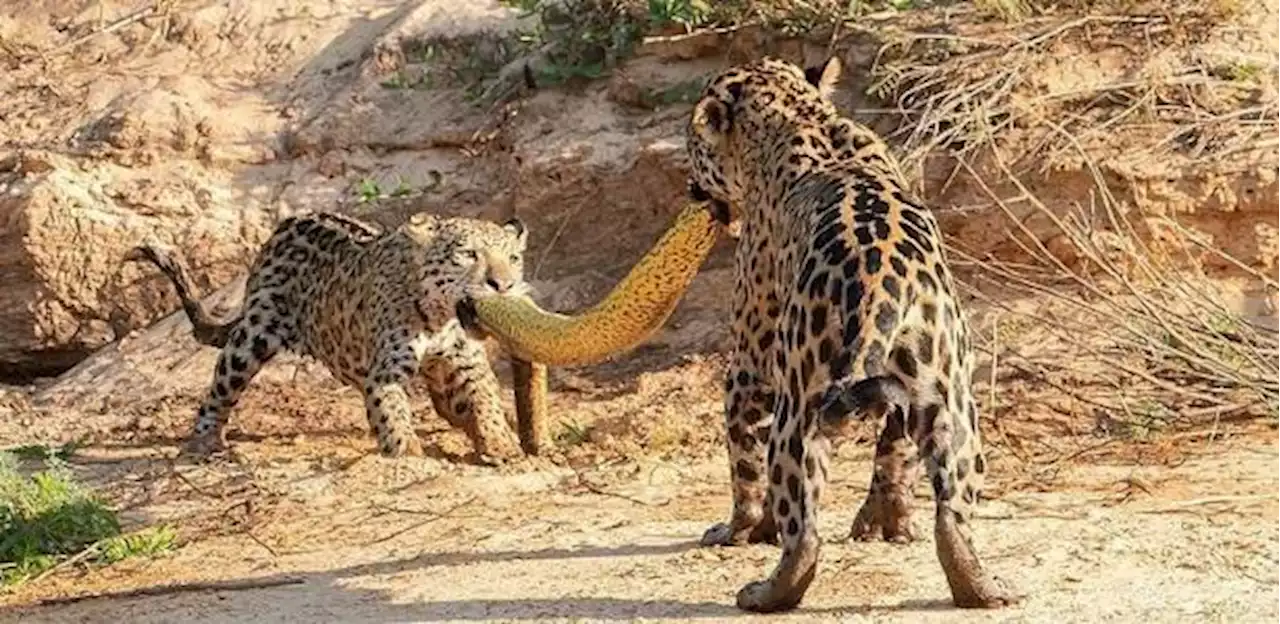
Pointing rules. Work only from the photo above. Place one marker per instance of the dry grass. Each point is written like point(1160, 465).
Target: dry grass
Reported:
point(1128, 336)
point(968, 94)
point(1136, 337)
point(1015, 10)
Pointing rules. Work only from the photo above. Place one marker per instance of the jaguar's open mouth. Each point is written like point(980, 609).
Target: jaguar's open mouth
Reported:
point(468, 318)
point(466, 311)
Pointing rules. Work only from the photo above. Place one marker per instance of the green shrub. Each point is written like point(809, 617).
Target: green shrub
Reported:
point(47, 517)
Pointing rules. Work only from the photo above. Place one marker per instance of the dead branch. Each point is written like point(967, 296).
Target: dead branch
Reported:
point(1188, 505)
point(177, 588)
point(432, 517)
point(131, 18)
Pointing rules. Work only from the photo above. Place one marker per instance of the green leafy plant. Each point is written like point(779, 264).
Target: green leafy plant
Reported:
point(402, 80)
point(44, 451)
point(687, 13)
point(47, 518)
point(403, 188)
point(368, 190)
point(571, 434)
point(147, 542)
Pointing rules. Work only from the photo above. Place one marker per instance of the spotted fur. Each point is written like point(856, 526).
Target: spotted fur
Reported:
point(843, 304)
point(374, 307)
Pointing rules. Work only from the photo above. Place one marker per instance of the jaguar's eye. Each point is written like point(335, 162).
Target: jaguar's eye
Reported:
point(466, 257)
point(515, 258)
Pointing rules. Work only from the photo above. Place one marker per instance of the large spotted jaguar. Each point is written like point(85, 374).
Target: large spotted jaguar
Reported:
point(373, 307)
point(843, 305)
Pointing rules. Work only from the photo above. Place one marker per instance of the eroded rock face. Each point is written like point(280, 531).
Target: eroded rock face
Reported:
point(144, 365)
point(65, 289)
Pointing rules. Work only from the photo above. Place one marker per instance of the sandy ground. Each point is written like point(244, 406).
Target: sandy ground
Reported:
point(1162, 531)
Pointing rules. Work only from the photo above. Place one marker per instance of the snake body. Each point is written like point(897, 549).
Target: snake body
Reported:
point(631, 312)
point(530, 381)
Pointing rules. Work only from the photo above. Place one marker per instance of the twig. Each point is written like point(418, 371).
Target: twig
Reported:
point(177, 588)
point(405, 510)
point(631, 499)
point(555, 237)
point(70, 561)
point(136, 16)
point(434, 516)
point(697, 34)
point(265, 546)
point(1209, 500)
point(183, 478)
point(992, 384)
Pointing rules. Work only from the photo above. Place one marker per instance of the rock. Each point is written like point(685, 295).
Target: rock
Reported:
point(160, 359)
point(63, 233)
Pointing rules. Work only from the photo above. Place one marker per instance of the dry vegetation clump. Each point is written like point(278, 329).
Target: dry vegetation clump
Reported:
point(1133, 339)
point(1131, 333)
point(967, 94)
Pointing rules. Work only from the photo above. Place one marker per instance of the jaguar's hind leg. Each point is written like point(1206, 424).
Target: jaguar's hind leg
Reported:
point(258, 335)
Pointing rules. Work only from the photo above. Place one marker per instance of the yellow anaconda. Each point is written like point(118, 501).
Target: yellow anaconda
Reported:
point(636, 307)
point(530, 381)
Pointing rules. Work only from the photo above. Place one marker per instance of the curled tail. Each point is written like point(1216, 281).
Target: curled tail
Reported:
point(874, 395)
point(206, 328)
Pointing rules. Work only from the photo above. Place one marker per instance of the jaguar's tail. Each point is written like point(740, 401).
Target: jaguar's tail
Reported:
point(873, 395)
point(206, 328)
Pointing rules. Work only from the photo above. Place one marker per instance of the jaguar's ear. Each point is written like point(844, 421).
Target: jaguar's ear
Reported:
point(422, 224)
point(421, 218)
point(825, 76)
point(711, 119)
point(516, 226)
